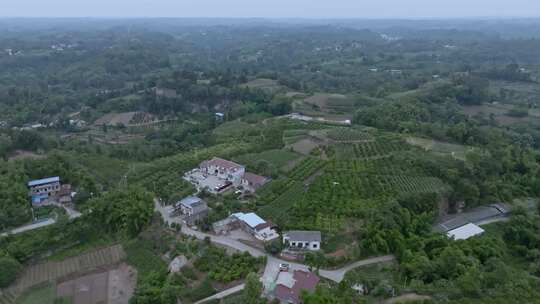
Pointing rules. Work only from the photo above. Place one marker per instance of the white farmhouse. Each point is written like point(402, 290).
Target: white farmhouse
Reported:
point(310, 240)
point(224, 169)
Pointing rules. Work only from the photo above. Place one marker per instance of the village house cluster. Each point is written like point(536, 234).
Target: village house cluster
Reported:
point(218, 175)
point(49, 190)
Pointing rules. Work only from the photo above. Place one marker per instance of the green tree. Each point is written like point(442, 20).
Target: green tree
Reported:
point(128, 210)
point(10, 268)
point(252, 290)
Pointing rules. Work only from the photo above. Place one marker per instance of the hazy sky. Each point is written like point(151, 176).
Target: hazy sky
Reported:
point(270, 8)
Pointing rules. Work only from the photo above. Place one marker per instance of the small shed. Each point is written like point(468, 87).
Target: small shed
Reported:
point(177, 263)
point(465, 232)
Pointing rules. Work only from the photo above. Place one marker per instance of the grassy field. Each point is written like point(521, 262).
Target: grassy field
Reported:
point(278, 158)
point(141, 256)
point(499, 112)
point(45, 294)
point(112, 172)
point(263, 84)
point(329, 106)
point(231, 128)
point(454, 150)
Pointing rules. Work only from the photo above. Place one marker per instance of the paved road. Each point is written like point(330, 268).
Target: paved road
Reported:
point(223, 294)
point(493, 220)
point(30, 227)
point(338, 274)
point(272, 266)
point(71, 213)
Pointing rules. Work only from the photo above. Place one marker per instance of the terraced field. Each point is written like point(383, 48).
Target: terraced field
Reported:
point(369, 149)
point(279, 210)
point(347, 135)
point(306, 168)
point(53, 271)
point(8, 296)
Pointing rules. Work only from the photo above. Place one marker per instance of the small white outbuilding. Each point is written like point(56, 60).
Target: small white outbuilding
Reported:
point(465, 232)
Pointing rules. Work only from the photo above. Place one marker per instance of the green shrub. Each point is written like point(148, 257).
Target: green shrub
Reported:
point(10, 269)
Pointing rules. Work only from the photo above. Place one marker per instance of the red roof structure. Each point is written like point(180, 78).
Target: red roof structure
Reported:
point(302, 281)
point(254, 179)
point(222, 163)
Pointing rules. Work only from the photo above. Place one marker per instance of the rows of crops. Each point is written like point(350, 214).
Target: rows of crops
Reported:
point(384, 165)
point(414, 184)
point(8, 296)
point(370, 149)
point(324, 222)
point(350, 184)
point(347, 134)
point(306, 168)
point(292, 136)
point(274, 189)
point(279, 209)
point(350, 194)
point(51, 271)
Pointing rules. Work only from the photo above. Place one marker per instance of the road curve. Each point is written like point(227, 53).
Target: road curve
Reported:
point(272, 266)
point(223, 294)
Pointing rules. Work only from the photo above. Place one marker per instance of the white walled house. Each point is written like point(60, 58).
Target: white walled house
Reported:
point(224, 169)
point(308, 240)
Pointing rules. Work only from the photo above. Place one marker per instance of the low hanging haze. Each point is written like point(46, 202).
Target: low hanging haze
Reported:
point(272, 8)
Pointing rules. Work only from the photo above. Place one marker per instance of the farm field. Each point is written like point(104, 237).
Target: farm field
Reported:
point(347, 135)
point(524, 92)
point(36, 282)
point(305, 146)
point(331, 102)
point(115, 286)
point(454, 150)
point(263, 84)
point(306, 168)
point(52, 271)
point(292, 136)
point(369, 149)
point(500, 113)
point(335, 107)
point(278, 209)
point(232, 128)
point(279, 158)
point(126, 119)
point(45, 294)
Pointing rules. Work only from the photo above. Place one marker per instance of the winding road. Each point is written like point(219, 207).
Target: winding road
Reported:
point(271, 269)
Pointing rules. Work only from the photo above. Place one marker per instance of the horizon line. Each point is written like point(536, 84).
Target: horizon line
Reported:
point(406, 18)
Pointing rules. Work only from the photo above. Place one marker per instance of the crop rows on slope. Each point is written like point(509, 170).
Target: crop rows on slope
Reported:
point(347, 134)
point(278, 209)
point(306, 168)
point(350, 194)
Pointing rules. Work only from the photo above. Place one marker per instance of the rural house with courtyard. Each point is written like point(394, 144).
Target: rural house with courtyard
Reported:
point(309, 240)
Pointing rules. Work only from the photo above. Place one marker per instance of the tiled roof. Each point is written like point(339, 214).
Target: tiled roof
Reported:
point(223, 163)
point(305, 236)
point(254, 179)
point(302, 281)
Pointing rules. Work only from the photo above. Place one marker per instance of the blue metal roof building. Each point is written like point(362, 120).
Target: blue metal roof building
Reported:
point(43, 181)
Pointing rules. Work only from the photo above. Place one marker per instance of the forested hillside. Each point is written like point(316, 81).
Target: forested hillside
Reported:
point(370, 133)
